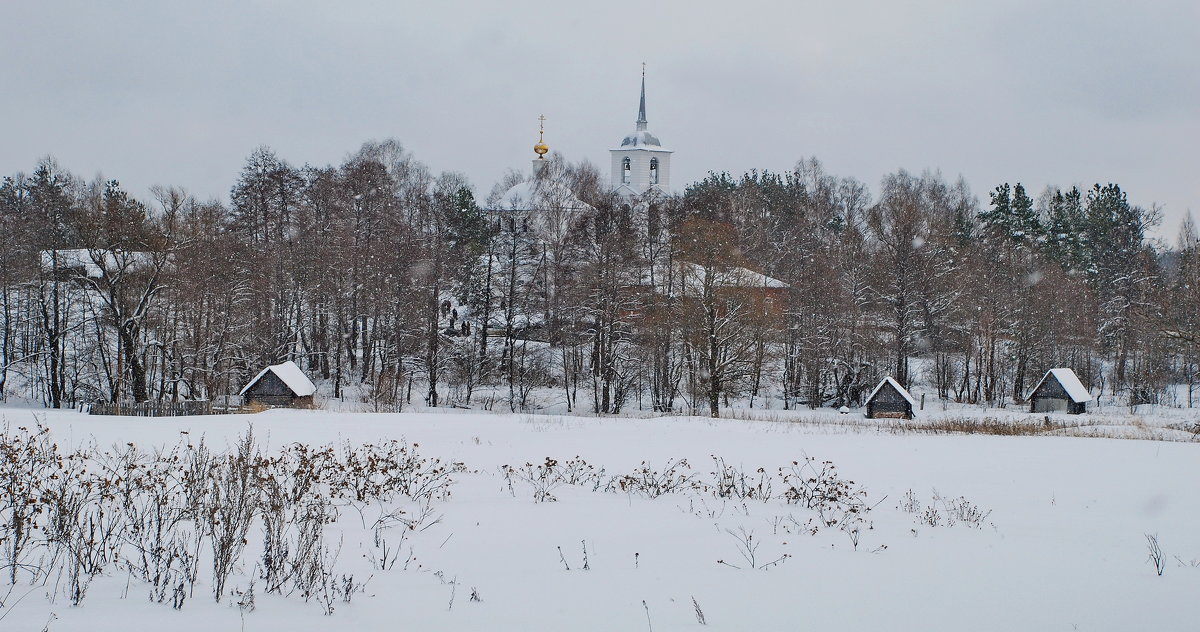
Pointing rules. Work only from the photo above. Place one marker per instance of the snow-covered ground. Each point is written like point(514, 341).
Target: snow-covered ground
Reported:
point(1050, 531)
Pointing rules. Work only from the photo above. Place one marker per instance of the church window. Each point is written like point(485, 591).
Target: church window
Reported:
point(626, 172)
point(654, 171)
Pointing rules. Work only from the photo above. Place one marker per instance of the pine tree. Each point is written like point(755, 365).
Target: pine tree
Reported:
point(1012, 217)
point(1024, 226)
point(995, 220)
point(56, 214)
point(1065, 229)
point(1117, 270)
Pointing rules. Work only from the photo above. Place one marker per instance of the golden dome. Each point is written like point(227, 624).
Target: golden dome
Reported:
point(541, 148)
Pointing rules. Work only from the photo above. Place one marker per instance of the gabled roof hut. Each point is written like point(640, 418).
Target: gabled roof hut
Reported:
point(1059, 391)
point(890, 400)
point(280, 385)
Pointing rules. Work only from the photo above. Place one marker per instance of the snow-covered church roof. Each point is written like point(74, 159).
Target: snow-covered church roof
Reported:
point(290, 375)
point(89, 261)
point(730, 276)
point(641, 139)
point(1070, 383)
point(541, 194)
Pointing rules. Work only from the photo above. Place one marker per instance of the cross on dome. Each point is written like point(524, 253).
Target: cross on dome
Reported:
point(541, 148)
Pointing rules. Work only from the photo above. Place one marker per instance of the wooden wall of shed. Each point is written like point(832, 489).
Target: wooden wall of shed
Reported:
point(889, 403)
point(269, 385)
point(1051, 397)
point(274, 401)
point(890, 395)
point(1050, 388)
point(877, 409)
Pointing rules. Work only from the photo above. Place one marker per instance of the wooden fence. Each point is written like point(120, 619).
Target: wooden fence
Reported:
point(162, 409)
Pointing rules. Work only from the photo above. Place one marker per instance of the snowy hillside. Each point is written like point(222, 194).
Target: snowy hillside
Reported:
point(569, 523)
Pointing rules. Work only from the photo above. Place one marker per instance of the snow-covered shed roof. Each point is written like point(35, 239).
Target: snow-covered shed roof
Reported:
point(899, 389)
point(1070, 383)
point(290, 374)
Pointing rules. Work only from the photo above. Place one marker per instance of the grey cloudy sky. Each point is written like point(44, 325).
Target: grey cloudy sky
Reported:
point(179, 93)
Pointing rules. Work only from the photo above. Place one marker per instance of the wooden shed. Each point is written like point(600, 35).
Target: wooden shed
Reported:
point(282, 385)
point(890, 400)
point(1060, 391)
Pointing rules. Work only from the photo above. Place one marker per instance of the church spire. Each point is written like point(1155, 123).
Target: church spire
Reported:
point(641, 163)
point(641, 122)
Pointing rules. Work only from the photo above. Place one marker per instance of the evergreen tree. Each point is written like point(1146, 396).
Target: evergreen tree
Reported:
point(995, 220)
point(1115, 233)
point(1012, 216)
point(1024, 226)
point(55, 215)
point(1066, 236)
point(1118, 270)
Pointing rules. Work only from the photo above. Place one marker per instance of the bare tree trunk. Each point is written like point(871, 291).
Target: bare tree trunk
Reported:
point(432, 333)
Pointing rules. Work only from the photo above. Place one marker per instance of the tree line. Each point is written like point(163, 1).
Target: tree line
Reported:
point(393, 284)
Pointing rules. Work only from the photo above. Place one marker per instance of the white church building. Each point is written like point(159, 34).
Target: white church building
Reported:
point(641, 164)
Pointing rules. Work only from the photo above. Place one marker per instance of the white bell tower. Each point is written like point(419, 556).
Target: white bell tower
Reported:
point(641, 163)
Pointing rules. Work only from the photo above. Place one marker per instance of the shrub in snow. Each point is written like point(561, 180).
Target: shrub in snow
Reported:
point(390, 468)
point(544, 478)
point(835, 499)
point(963, 511)
point(1156, 555)
point(747, 548)
point(651, 483)
point(699, 613)
point(949, 511)
point(551, 474)
point(931, 516)
point(730, 482)
point(82, 513)
point(229, 508)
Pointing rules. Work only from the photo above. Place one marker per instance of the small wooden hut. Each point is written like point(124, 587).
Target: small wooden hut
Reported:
point(281, 385)
point(890, 400)
point(1059, 391)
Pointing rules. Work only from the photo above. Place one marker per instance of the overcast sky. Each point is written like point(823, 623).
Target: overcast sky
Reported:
point(180, 93)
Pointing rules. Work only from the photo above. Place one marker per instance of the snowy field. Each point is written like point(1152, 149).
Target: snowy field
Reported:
point(932, 531)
